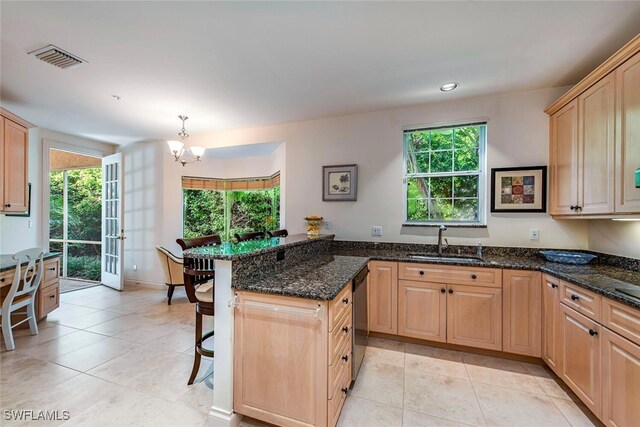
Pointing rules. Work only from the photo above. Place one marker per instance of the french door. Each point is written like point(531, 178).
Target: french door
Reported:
point(112, 224)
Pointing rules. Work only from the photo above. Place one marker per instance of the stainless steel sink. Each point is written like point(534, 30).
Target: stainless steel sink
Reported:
point(453, 258)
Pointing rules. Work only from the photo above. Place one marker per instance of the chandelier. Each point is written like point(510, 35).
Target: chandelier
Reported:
point(178, 149)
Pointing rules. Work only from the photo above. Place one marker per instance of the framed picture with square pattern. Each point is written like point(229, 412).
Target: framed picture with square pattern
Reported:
point(521, 189)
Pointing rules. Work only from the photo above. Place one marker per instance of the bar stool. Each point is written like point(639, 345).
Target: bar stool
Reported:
point(278, 233)
point(199, 281)
point(256, 235)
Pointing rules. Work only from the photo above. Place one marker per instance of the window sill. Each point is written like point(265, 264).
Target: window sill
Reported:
point(429, 225)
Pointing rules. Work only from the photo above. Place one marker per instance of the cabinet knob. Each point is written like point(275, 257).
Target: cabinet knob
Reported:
point(345, 300)
point(593, 333)
point(345, 329)
point(443, 290)
point(572, 207)
point(51, 269)
point(8, 205)
point(553, 285)
point(52, 296)
point(575, 297)
point(450, 291)
point(345, 390)
point(345, 357)
point(473, 276)
point(2, 279)
point(422, 273)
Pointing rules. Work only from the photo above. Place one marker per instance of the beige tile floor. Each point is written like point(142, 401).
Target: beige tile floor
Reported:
point(123, 358)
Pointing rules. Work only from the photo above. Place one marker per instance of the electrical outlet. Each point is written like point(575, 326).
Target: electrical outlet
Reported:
point(376, 230)
point(326, 224)
point(534, 234)
point(32, 224)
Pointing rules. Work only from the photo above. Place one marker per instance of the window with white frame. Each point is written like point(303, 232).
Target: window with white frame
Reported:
point(444, 174)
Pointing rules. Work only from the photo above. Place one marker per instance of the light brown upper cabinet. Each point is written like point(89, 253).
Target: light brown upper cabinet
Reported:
point(522, 311)
point(628, 135)
point(594, 141)
point(383, 297)
point(14, 166)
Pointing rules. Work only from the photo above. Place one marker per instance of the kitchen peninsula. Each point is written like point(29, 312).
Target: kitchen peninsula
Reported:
point(281, 289)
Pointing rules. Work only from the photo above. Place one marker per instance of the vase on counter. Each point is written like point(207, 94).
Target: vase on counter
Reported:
point(313, 225)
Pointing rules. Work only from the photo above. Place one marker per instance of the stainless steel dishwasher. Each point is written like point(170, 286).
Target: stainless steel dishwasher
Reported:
point(360, 333)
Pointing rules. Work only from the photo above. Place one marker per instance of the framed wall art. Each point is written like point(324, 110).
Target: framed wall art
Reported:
point(521, 189)
point(340, 183)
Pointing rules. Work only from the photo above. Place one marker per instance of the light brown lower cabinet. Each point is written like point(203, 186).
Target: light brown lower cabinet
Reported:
point(581, 357)
point(620, 381)
point(286, 369)
point(422, 310)
point(474, 316)
point(383, 297)
point(522, 311)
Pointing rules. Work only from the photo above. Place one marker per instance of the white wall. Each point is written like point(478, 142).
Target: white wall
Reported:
point(615, 237)
point(15, 232)
point(517, 136)
point(153, 199)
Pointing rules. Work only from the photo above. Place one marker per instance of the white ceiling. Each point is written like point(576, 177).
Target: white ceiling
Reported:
point(241, 64)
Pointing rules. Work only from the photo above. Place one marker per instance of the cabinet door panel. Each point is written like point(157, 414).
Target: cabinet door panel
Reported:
point(474, 316)
point(628, 136)
point(596, 109)
point(563, 158)
point(581, 358)
point(522, 310)
point(383, 297)
point(621, 381)
point(422, 308)
point(15, 167)
point(2, 121)
point(551, 351)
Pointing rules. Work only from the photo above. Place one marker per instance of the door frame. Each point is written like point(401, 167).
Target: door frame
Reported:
point(47, 145)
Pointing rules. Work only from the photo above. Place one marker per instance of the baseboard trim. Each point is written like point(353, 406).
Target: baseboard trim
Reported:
point(143, 284)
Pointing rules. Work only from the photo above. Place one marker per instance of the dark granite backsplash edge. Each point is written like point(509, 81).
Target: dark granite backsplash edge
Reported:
point(497, 251)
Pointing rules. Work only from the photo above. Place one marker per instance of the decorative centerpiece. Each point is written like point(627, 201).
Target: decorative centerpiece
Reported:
point(313, 225)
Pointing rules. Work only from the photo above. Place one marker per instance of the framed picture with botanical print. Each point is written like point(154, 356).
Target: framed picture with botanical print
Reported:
point(340, 183)
point(522, 189)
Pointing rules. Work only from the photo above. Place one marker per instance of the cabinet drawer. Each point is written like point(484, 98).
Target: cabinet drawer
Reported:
point(48, 299)
point(336, 370)
point(6, 278)
point(340, 395)
point(621, 319)
point(340, 335)
point(581, 300)
point(491, 277)
point(51, 271)
point(338, 306)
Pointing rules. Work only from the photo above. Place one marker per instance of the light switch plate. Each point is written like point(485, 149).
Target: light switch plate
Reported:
point(376, 230)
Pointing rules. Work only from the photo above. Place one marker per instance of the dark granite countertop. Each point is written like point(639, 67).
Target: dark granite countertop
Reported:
point(231, 251)
point(601, 279)
point(318, 279)
point(6, 263)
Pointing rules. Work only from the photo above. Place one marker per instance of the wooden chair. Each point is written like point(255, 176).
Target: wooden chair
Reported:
point(22, 293)
point(172, 267)
point(278, 233)
point(256, 235)
point(199, 281)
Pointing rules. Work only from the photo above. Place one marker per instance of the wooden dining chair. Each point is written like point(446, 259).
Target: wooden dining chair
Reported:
point(278, 233)
point(172, 267)
point(199, 280)
point(22, 293)
point(256, 235)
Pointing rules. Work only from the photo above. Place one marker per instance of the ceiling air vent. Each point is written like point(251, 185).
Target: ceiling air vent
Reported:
point(58, 57)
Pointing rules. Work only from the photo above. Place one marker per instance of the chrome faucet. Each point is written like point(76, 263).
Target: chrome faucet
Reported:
point(442, 245)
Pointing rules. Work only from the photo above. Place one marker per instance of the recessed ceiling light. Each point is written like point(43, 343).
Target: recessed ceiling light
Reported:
point(448, 87)
point(116, 97)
